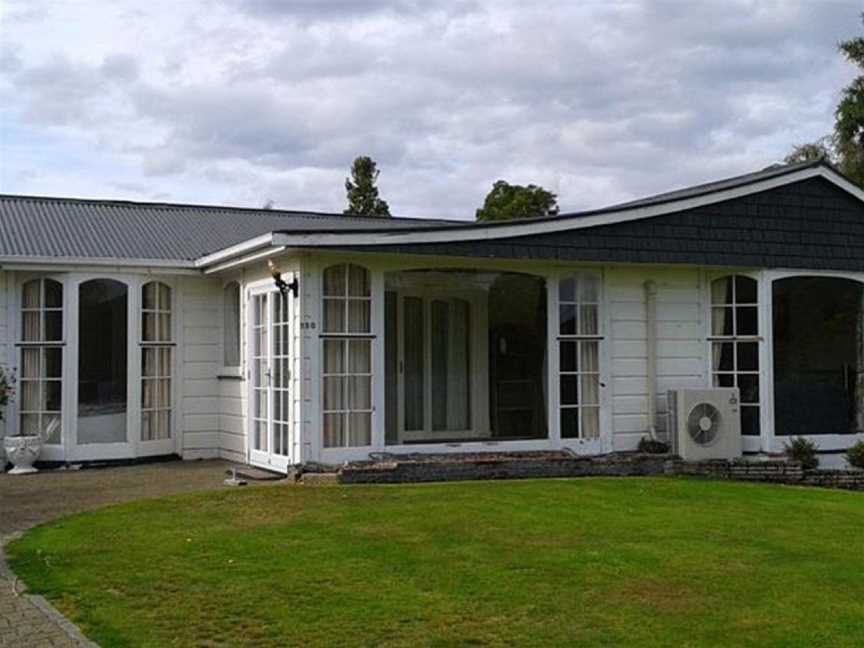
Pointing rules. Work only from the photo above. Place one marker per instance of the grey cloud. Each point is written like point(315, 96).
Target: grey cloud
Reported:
point(604, 101)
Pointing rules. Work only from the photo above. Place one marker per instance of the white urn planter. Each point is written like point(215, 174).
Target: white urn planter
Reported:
point(22, 451)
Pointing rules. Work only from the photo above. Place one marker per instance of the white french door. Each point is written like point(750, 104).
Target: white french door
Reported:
point(273, 441)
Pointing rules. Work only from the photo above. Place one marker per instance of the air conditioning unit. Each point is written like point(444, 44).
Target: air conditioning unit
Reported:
point(704, 423)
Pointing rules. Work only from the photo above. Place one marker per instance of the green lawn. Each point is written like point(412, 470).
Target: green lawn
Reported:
point(581, 562)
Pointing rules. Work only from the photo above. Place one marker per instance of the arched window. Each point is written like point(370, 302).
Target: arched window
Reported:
point(231, 329)
point(735, 343)
point(156, 361)
point(347, 357)
point(579, 355)
point(41, 364)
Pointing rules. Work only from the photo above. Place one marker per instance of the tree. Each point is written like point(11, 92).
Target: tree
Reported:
point(362, 193)
point(849, 124)
point(821, 149)
point(506, 202)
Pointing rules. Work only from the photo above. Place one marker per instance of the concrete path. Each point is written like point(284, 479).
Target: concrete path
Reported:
point(27, 500)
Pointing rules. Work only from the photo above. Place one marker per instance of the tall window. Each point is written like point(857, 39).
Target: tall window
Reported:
point(347, 361)
point(231, 329)
point(156, 361)
point(41, 358)
point(579, 355)
point(735, 343)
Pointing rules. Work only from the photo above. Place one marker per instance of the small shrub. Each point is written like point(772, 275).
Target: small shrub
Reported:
point(804, 451)
point(855, 455)
point(652, 446)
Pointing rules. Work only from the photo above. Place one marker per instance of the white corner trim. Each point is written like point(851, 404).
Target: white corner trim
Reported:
point(559, 224)
point(265, 240)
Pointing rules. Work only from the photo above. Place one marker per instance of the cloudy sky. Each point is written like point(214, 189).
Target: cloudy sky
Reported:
point(242, 101)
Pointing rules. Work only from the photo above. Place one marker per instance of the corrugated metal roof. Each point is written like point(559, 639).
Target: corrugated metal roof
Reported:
point(33, 226)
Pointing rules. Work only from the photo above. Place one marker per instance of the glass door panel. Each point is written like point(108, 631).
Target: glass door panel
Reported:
point(103, 353)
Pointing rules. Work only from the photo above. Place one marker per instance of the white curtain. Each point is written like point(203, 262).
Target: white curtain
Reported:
point(590, 388)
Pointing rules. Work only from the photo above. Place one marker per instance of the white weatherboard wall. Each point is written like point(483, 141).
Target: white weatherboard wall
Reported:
point(6, 348)
point(681, 348)
point(200, 351)
point(233, 387)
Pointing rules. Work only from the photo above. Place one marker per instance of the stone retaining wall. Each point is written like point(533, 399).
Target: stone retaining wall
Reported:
point(776, 471)
point(500, 466)
point(394, 469)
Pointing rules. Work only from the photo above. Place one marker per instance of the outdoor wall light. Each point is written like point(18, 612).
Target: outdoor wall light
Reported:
point(281, 284)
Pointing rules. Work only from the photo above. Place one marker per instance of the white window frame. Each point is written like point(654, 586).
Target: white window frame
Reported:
point(226, 370)
point(51, 452)
point(161, 345)
point(603, 442)
point(478, 413)
point(751, 443)
point(347, 336)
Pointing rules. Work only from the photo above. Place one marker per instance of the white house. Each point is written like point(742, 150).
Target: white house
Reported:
point(156, 329)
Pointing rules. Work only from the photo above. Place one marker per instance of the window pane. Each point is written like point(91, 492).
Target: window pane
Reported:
point(360, 393)
point(724, 380)
point(439, 334)
point(31, 326)
point(165, 327)
point(747, 320)
point(750, 420)
point(414, 379)
point(590, 390)
point(52, 396)
point(745, 290)
point(334, 393)
point(333, 430)
point(30, 424)
point(568, 360)
point(30, 398)
point(569, 390)
point(721, 321)
point(590, 356)
point(165, 364)
point(590, 422)
point(31, 297)
point(359, 356)
point(567, 290)
point(165, 393)
point(164, 297)
point(52, 428)
point(588, 320)
point(334, 356)
point(748, 356)
point(148, 394)
point(53, 362)
point(723, 356)
point(148, 296)
point(30, 363)
point(53, 326)
point(334, 316)
point(567, 319)
point(570, 423)
point(358, 316)
point(334, 281)
point(721, 291)
point(360, 425)
point(748, 385)
point(589, 288)
point(358, 282)
point(148, 327)
point(53, 294)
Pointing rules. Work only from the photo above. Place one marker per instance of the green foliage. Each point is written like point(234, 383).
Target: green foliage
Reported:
point(362, 193)
point(855, 455)
point(849, 125)
point(506, 202)
point(579, 562)
point(7, 388)
point(648, 445)
point(821, 149)
point(804, 451)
